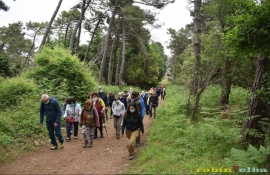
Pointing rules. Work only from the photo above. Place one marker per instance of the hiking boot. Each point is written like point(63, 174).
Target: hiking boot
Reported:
point(75, 137)
point(68, 139)
point(91, 144)
point(111, 117)
point(118, 137)
point(53, 147)
point(62, 145)
point(95, 137)
point(101, 136)
point(106, 117)
point(137, 144)
point(85, 144)
point(130, 157)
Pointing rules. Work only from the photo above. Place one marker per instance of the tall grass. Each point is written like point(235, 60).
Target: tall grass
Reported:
point(176, 146)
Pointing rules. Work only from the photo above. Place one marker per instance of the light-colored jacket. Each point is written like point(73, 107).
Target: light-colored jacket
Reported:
point(75, 114)
point(118, 109)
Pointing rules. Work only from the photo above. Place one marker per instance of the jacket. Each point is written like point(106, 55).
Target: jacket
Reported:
point(74, 114)
point(111, 100)
point(89, 118)
point(124, 101)
point(118, 109)
point(142, 102)
point(52, 110)
point(133, 123)
point(104, 97)
point(153, 100)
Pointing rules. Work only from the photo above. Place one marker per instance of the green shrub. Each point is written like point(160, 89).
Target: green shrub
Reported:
point(13, 91)
point(60, 74)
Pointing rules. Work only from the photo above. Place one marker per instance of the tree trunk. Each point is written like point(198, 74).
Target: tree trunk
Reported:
point(117, 68)
point(92, 38)
point(196, 47)
point(114, 57)
point(2, 46)
point(78, 41)
point(226, 84)
point(65, 44)
point(110, 61)
point(256, 105)
point(106, 47)
point(50, 24)
point(123, 54)
point(199, 93)
point(84, 7)
point(27, 57)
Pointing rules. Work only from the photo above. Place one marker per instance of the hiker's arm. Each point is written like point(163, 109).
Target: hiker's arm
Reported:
point(141, 123)
point(96, 117)
point(41, 113)
point(59, 112)
point(124, 125)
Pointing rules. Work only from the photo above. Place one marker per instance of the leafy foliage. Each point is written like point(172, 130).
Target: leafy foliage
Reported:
point(249, 158)
point(13, 91)
point(61, 75)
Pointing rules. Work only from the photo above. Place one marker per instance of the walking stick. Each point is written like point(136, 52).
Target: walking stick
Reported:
point(103, 120)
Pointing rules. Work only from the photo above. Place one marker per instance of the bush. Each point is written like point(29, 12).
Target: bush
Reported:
point(14, 90)
point(60, 74)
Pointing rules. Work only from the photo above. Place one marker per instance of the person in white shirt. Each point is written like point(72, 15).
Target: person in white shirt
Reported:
point(118, 109)
point(73, 109)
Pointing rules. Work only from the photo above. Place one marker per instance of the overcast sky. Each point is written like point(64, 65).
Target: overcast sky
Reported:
point(173, 16)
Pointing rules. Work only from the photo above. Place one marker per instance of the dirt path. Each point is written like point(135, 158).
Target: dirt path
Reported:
point(107, 156)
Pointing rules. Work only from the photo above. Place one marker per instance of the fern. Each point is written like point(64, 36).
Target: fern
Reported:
point(252, 157)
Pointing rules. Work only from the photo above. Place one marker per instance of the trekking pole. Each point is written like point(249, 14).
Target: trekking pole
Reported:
point(103, 119)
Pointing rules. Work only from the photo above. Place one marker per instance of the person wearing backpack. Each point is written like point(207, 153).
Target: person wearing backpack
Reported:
point(51, 108)
point(89, 120)
point(99, 105)
point(73, 110)
point(153, 100)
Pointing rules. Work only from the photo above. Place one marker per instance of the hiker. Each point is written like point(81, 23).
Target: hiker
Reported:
point(163, 93)
point(153, 101)
point(51, 108)
point(158, 91)
point(101, 94)
point(64, 106)
point(118, 109)
point(99, 104)
point(122, 98)
point(89, 97)
point(89, 120)
point(126, 94)
point(130, 91)
point(133, 124)
point(73, 110)
point(135, 97)
point(110, 102)
point(145, 97)
point(148, 101)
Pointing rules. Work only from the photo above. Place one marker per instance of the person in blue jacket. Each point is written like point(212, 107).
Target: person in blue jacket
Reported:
point(51, 108)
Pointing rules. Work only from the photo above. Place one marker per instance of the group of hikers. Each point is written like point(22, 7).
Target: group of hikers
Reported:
point(127, 110)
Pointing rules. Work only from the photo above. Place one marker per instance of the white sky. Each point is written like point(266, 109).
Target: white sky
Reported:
point(173, 15)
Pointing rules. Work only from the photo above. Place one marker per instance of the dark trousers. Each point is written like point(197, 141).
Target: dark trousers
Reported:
point(54, 131)
point(150, 110)
point(69, 129)
point(138, 139)
point(101, 126)
point(147, 109)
